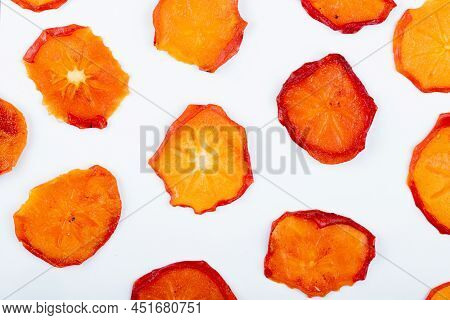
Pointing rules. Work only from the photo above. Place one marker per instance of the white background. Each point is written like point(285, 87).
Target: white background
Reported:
point(280, 37)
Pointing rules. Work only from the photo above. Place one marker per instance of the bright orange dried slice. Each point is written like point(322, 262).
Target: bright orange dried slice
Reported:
point(327, 110)
point(40, 5)
point(348, 16)
point(429, 175)
point(206, 33)
point(68, 219)
point(441, 292)
point(80, 80)
point(422, 46)
point(190, 280)
point(318, 252)
point(204, 159)
point(13, 136)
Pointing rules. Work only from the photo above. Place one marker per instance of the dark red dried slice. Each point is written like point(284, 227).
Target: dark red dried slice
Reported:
point(40, 5)
point(318, 252)
point(327, 110)
point(441, 292)
point(191, 280)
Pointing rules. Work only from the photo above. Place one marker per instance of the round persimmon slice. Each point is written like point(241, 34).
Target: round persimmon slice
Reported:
point(326, 110)
point(40, 5)
point(348, 16)
point(13, 136)
point(68, 219)
point(206, 33)
point(429, 175)
point(318, 252)
point(204, 159)
point(190, 280)
point(441, 292)
point(81, 82)
point(422, 46)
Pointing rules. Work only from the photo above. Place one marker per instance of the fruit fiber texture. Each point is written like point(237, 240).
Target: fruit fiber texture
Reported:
point(40, 5)
point(81, 82)
point(318, 252)
point(13, 136)
point(441, 292)
point(422, 46)
point(327, 110)
point(191, 280)
point(204, 160)
point(348, 16)
point(206, 33)
point(429, 175)
point(68, 219)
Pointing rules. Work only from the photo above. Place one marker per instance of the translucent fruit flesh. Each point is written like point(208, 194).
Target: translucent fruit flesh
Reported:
point(206, 33)
point(66, 220)
point(40, 5)
point(204, 160)
point(440, 293)
point(182, 281)
point(80, 80)
point(318, 252)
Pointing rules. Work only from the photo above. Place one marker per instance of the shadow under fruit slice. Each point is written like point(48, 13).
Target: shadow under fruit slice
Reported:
point(348, 16)
point(441, 292)
point(66, 220)
point(13, 136)
point(318, 252)
point(206, 33)
point(40, 5)
point(326, 110)
point(81, 82)
point(429, 175)
point(190, 280)
point(422, 46)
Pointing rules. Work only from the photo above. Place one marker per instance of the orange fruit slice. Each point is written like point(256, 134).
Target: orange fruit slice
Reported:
point(204, 159)
point(422, 46)
point(440, 293)
point(429, 175)
point(13, 136)
point(68, 219)
point(318, 252)
point(191, 280)
point(327, 110)
point(40, 5)
point(348, 16)
point(206, 33)
point(80, 80)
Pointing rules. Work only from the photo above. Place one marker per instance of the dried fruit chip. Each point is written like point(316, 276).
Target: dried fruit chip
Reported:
point(440, 293)
point(13, 136)
point(191, 280)
point(318, 252)
point(204, 159)
point(422, 46)
point(327, 110)
point(66, 220)
point(206, 33)
point(429, 175)
point(40, 5)
point(79, 78)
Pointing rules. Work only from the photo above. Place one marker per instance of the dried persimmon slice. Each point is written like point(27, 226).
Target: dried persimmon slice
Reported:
point(80, 80)
point(206, 33)
point(68, 219)
point(318, 252)
point(204, 159)
point(40, 5)
point(13, 136)
point(326, 110)
point(441, 292)
point(189, 280)
point(422, 46)
point(429, 175)
point(348, 16)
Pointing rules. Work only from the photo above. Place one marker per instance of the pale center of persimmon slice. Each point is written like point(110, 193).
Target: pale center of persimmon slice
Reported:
point(76, 77)
point(432, 176)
